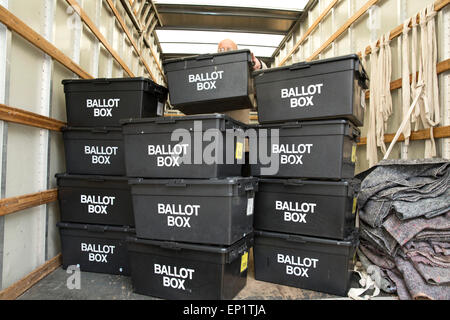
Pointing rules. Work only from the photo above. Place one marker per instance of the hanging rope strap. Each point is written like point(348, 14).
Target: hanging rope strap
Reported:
point(406, 92)
point(384, 108)
point(372, 153)
point(429, 112)
point(415, 118)
point(425, 89)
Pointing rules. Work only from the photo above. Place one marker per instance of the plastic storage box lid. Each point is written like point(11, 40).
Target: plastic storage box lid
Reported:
point(323, 66)
point(183, 182)
point(211, 187)
point(352, 239)
point(90, 177)
point(315, 128)
point(316, 187)
point(120, 84)
point(91, 129)
point(206, 60)
point(230, 252)
point(98, 228)
point(175, 120)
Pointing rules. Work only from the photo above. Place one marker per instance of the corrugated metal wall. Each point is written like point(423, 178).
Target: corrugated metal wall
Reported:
point(30, 80)
point(381, 18)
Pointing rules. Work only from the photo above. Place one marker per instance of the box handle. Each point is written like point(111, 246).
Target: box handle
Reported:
point(170, 246)
point(101, 81)
point(363, 78)
point(237, 252)
point(355, 134)
point(300, 65)
point(204, 57)
point(99, 130)
point(295, 239)
point(294, 182)
point(96, 180)
point(165, 120)
point(176, 183)
point(96, 228)
point(291, 125)
point(249, 187)
point(159, 91)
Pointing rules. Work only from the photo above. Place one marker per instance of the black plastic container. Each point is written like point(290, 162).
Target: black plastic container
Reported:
point(156, 147)
point(103, 102)
point(181, 271)
point(95, 248)
point(310, 149)
point(95, 199)
point(217, 212)
point(211, 83)
point(97, 151)
point(305, 262)
point(324, 209)
point(317, 90)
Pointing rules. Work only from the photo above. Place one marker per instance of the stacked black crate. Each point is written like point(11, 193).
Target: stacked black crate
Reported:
point(192, 207)
point(305, 208)
point(94, 194)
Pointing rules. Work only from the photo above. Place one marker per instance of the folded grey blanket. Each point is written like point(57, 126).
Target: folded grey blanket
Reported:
point(404, 211)
point(407, 188)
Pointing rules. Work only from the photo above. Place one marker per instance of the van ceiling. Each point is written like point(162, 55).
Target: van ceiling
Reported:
point(196, 26)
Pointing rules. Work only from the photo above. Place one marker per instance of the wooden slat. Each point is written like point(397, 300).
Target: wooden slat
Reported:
point(21, 286)
point(397, 84)
point(29, 118)
point(343, 28)
point(11, 205)
point(145, 14)
point(130, 38)
point(438, 132)
point(157, 64)
point(18, 26)
point(133, 43)
point(77, 8)
point(438, 5)
point(309, 31)
point(157, 13)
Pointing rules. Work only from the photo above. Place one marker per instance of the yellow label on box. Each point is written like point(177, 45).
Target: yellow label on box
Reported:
point(244, 261)
point(354, 153)
point(239, 150)
point(354, 205)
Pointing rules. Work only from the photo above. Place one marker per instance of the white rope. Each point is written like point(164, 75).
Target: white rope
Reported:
point(406, 92)
point(425, 89)
point(419, 94)
point(430, 114)
point(372, 152)
point(416, 115)
point(384, 108)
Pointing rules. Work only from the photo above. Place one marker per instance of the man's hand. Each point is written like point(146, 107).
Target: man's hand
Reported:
point(256, 63)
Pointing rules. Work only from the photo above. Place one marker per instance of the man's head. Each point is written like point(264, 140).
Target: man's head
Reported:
point(226, 45)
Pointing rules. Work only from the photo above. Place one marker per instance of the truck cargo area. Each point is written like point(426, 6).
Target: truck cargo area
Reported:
point(224, 150)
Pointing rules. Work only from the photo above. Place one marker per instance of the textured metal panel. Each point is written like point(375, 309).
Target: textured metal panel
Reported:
point(227, 18)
